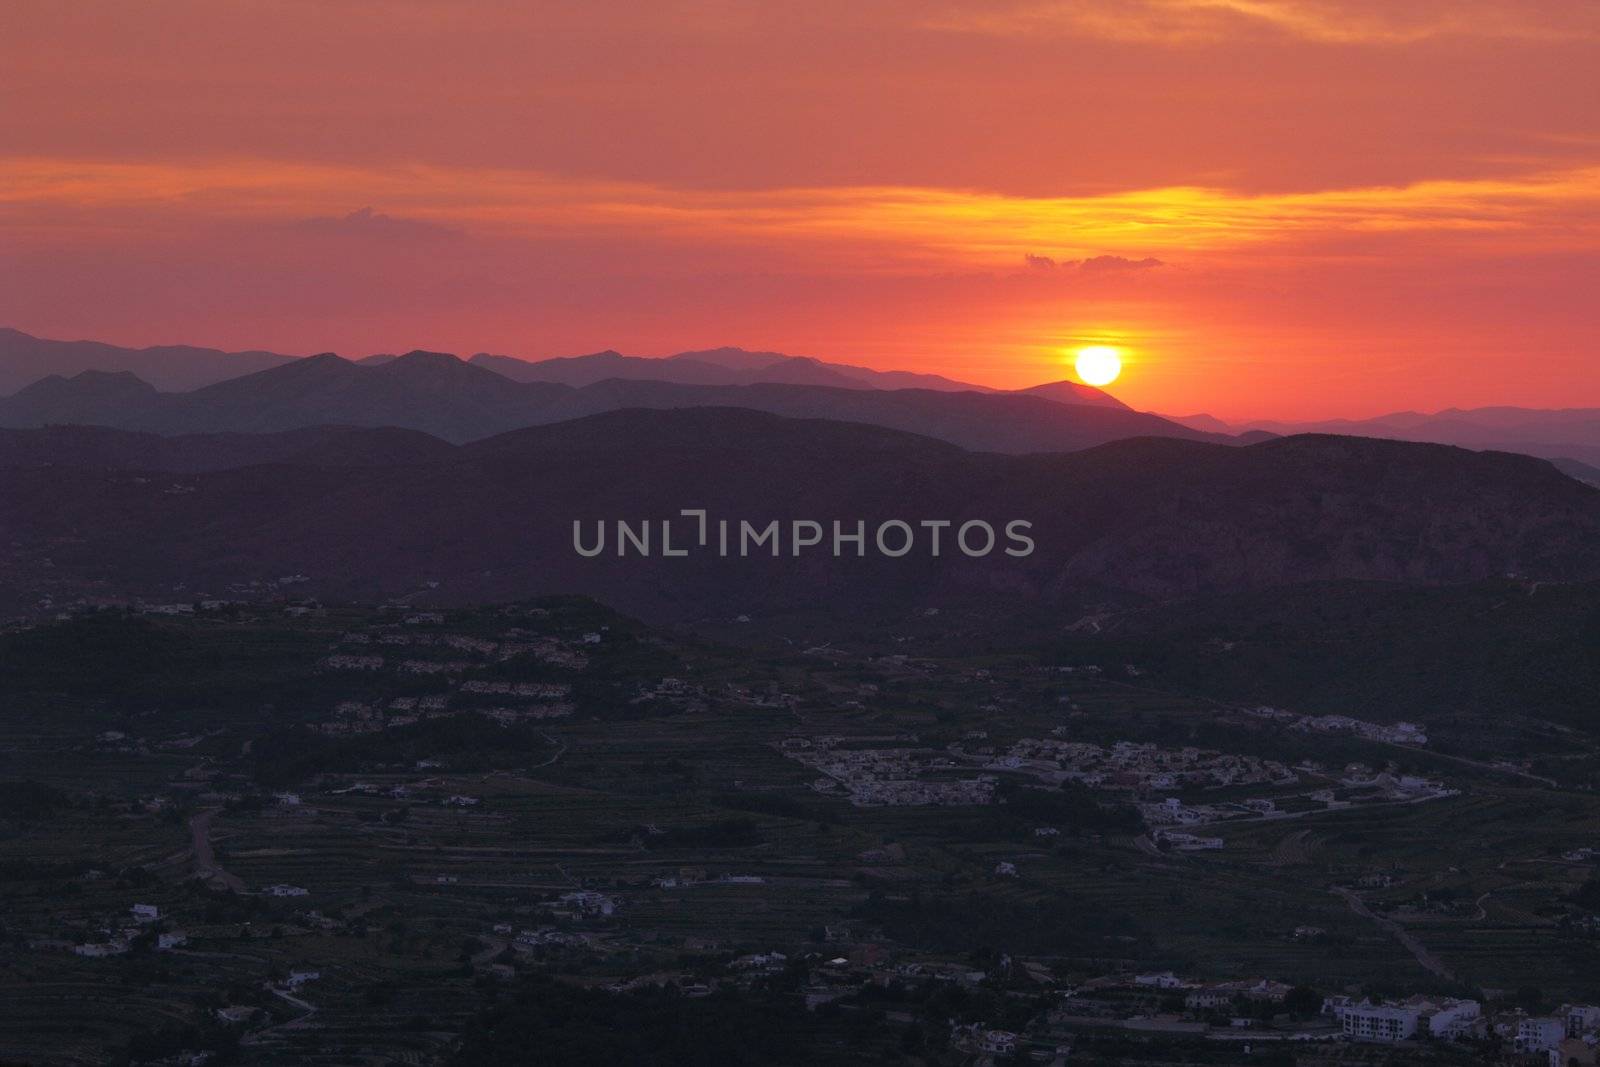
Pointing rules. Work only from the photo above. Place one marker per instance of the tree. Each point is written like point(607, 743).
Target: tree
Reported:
point(1302, 1001)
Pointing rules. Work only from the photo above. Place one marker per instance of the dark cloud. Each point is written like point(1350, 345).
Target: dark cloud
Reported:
point(1094, 264)
point(1109, 263)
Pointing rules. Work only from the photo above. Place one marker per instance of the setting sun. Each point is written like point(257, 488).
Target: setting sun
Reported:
point(1098, 364)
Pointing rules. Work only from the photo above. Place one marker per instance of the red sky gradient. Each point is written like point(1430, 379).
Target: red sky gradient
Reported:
point(1280, 208)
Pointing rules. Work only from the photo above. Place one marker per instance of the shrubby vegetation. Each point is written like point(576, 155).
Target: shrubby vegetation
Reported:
point(557, 1025)
point(469, 741)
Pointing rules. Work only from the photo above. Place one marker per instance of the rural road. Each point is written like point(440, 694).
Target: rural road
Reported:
point(205, 859)
point(1415, 947)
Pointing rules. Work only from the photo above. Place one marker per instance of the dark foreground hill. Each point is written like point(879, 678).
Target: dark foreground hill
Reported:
point(493, 520)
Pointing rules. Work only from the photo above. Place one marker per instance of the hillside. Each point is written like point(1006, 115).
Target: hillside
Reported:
point(1138, 519)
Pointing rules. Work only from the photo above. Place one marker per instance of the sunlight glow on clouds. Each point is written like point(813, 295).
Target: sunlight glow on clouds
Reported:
point(889, 226)
point(1260, 200)
point(1328, 21)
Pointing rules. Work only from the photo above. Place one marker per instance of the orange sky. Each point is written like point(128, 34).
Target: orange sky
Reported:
point(1290, 208)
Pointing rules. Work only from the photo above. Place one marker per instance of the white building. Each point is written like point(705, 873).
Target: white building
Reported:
point(1540, 1034)
point(1447, 1017)
point(1581, 1018)
point(1378, 1022)
point(1159, 980)
point(146, 913)
point(108, 948)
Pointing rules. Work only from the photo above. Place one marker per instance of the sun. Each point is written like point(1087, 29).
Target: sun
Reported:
point(1098, 364)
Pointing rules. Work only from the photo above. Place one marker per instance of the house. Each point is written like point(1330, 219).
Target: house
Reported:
point(998, 1043)
point(424, 618)
point(1446, 1017)
point(1159, 980)
point(165, 942)
point(1209, 999)
point(107, 948)
point(286, 891)
point(1005, 869)
point(760, 961)
point(146, 913)
point(1187, 842)
point(974, 1037)
point(589, 902)
point(297, 979)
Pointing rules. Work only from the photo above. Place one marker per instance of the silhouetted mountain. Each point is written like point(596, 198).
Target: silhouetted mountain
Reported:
point(1075, 393)
point(755, 368)
point(1201, 421)
point(90, 396)
point(737, 359)
point(493, 520)
point(990, 422)
point(322, 446)
point(429, 391)
point(25, 359)
point(1549, 433)
point(1583, 472)
point(578, 371)
point(444, 396)
point(730, 366)
point(1475, 654)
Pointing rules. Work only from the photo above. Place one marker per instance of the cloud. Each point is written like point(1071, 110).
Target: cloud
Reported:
point(1102, 264)
point(1340, 22)
point(829, 229)
point(1119, 263)
point(368, 223)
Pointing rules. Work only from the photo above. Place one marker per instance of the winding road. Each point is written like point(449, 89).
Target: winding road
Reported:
point(1426, 958)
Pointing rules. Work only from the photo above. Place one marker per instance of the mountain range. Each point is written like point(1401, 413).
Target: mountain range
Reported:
point(24, 359)
point(460, 401)
point(380, 512)
point(1564, 433)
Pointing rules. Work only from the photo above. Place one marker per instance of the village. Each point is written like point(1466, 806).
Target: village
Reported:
point(442, 805)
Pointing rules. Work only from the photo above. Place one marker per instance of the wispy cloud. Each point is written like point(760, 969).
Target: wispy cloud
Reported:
point(369, 224)
point(1380, 22)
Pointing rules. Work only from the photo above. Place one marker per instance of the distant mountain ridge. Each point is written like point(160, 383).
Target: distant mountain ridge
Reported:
point(738, 366)
point(462, 401)
point(25, 359)
point(1569, 433)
